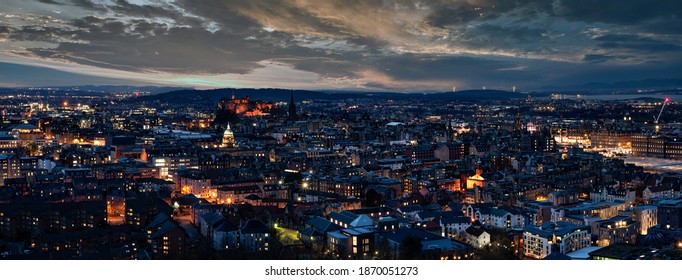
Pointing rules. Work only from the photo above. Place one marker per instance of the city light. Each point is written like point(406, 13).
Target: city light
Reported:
point(422, 130)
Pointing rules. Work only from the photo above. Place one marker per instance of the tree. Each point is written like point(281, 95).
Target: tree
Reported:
point(425, 198)
point(224, 117)
point(372, 198)
point(500, 247)
point(410, 248)
point(342, 253)
point(293, 177)
point(444, 198)
point(33, 149)
point(384, 249)
point(276, 244)
point(246, 212)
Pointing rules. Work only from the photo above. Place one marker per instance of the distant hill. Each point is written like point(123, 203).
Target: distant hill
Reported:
point(87, 90)
point(475, 95)
point(625, 85)
point(113, 88)
point(212, 96)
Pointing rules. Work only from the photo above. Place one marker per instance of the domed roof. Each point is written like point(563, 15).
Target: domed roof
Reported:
point(228, 130)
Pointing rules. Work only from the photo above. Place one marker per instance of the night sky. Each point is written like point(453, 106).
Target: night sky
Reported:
point(339, 44)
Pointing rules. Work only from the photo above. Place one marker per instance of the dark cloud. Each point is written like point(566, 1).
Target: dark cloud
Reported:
point(86, 4)
point(619, 12)
point(125, 8)
point(144, 46)
point(446, 13)
point(599, 58)
point(38, 33)
point(5, 29)
point(636, 42)
point(672, 26)
point(50, 2)
point(13, 75)
point(180, 50)
point(417, 67)
point(375, 44)
point(520, 38)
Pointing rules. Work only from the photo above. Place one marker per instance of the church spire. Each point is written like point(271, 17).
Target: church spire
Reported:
point(292, 108)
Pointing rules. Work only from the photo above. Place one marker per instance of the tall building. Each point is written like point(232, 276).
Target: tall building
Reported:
point(647, 216)
point(619, 229)
point(670, 213)
point(611, 140)
point(659, 146)
point(539, 242)
point(292, 108)
point(10, 167)
point(542, 143)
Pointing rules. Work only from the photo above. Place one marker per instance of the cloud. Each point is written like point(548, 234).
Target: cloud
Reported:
point(637, 42)
point(618, 12)
point(400, 44)
point(13, 75)
point(515, 68)
point(597, 58)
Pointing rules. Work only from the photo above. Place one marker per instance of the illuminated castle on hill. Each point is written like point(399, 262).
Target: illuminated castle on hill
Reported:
point(244, 106)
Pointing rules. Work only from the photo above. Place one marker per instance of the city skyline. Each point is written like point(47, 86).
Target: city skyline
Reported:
point(302, 130)
point(238, 174)
point(373, 46)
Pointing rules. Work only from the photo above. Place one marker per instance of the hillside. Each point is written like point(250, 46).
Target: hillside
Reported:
point(207, 97)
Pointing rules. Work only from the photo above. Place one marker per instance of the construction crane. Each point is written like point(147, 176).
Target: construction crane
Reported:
point(659, 114)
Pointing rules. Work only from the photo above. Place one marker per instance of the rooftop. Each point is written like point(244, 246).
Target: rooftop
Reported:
point(548, 229)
